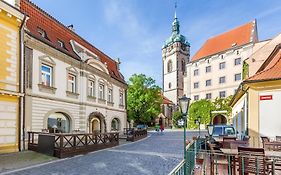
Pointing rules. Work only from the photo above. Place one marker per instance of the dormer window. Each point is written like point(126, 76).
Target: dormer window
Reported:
point(61, 43)
point(42, 32)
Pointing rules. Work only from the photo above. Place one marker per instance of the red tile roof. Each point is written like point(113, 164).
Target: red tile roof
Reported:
point(238, 36)
point(56, 30)
point(166, 100)
point(271, 68)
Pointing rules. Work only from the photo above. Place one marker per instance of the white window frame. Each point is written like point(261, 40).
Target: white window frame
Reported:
point(208, 71)
point(72, 82)
point(220, 78)
point(110, 95)
point(101, 91)
point(44, 74)
point(194, 85)
point(91, 88)
point(196, 72)
point(237, 75)
point(236, 60)
point(210, 80)
point(220, 65)
point(220, 94)
point(121, 98)
point(208, 94)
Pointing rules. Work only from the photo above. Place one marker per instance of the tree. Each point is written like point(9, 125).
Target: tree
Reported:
point(200, 108)
point(143, 99)
point(176, 116)
point(223, 104)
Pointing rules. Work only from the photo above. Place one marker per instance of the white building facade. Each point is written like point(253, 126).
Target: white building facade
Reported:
point(216, 69)
point(70, 84)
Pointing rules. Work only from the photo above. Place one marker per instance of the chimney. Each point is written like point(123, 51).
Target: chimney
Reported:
point(71, 27)
point(118, 63)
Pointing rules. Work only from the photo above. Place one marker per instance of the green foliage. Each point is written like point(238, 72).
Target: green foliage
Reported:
point(245, 71)
point(143, 99)
point(223, 104)
point(176, 116)
point(200, 108)
point(203, 109)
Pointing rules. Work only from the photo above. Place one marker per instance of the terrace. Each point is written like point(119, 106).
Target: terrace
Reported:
point(207, 156)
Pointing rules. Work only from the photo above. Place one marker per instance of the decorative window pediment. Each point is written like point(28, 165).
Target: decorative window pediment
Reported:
point(47, 60)
point(98, 65)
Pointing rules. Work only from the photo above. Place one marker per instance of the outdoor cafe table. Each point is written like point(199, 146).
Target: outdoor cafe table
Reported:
point(234, 152)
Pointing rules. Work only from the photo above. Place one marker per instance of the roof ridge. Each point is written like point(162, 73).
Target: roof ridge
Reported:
point(60, 23)
point(231, 30)
point(266, 70)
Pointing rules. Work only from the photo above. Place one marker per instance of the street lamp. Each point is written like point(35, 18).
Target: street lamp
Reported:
point(184, 104)
point(210, 130)
point(198, 122)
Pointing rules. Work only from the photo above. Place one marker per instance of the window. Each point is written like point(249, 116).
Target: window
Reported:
point(196, 72)
point(46, 73)
point(91, 88)
point(222, 94)
point(110, 97)
point(196, 97)
point(183, 66)
point(208, 82)
point(71, 85)
point(61, 44)
point(222, 65)
point(42, 32)
point(237, 61)
point(170, 85)
point(196, 85)
point(170, 66)
point(208, 69)
point(222, 80)
point(208, 96)
point(237, 77)
point(58, 123)
point(101, 91)
point(121, 98)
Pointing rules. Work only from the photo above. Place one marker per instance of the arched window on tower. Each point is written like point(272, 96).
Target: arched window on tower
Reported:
point(170, 66)
point(183, 65)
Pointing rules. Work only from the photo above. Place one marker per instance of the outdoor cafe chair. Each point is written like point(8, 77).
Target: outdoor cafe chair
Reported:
point(264, 140)
point(278, 138)
point(252, 161)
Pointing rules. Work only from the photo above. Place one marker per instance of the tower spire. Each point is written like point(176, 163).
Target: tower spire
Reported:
point(175, 9)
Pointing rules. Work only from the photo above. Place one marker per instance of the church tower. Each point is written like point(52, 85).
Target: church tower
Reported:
point(175, 56)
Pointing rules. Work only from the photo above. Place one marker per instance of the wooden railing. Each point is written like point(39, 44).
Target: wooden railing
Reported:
point(66, 145)
point(135, 134)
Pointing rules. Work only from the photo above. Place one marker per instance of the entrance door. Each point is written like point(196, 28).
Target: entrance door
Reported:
point(95, 125)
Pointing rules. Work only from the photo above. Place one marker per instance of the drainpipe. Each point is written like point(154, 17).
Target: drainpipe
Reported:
point(21, 133)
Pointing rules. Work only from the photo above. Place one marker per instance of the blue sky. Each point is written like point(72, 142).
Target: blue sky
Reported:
point(135, 30)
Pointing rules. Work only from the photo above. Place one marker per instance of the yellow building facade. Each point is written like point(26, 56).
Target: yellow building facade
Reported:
point(10, 24)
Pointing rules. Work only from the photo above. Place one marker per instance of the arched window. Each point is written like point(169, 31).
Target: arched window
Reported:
point(170, 66)
point(115, 124)
point(183, 65)
point(58, 123)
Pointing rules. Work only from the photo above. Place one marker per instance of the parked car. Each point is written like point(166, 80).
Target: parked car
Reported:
point(224, 130)
point(141, 126)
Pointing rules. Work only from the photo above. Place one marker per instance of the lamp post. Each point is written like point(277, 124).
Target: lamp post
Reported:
point(184, 104)
point(198, 122)
point(210, 131)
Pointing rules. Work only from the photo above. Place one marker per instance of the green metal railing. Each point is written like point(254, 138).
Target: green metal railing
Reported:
point(192, 149)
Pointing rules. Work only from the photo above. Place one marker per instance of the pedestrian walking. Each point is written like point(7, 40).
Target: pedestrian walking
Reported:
point(162, 128)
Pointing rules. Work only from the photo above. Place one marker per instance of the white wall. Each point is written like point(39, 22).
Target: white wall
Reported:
point(229, 71)
point(270, 115)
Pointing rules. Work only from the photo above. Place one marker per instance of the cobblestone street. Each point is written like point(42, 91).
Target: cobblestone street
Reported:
point(156, 155)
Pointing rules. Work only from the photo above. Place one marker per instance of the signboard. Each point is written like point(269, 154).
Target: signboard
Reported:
point(266, 97)
point(219, 112)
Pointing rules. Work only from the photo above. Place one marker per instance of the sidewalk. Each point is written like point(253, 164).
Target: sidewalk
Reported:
point(10, 161)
